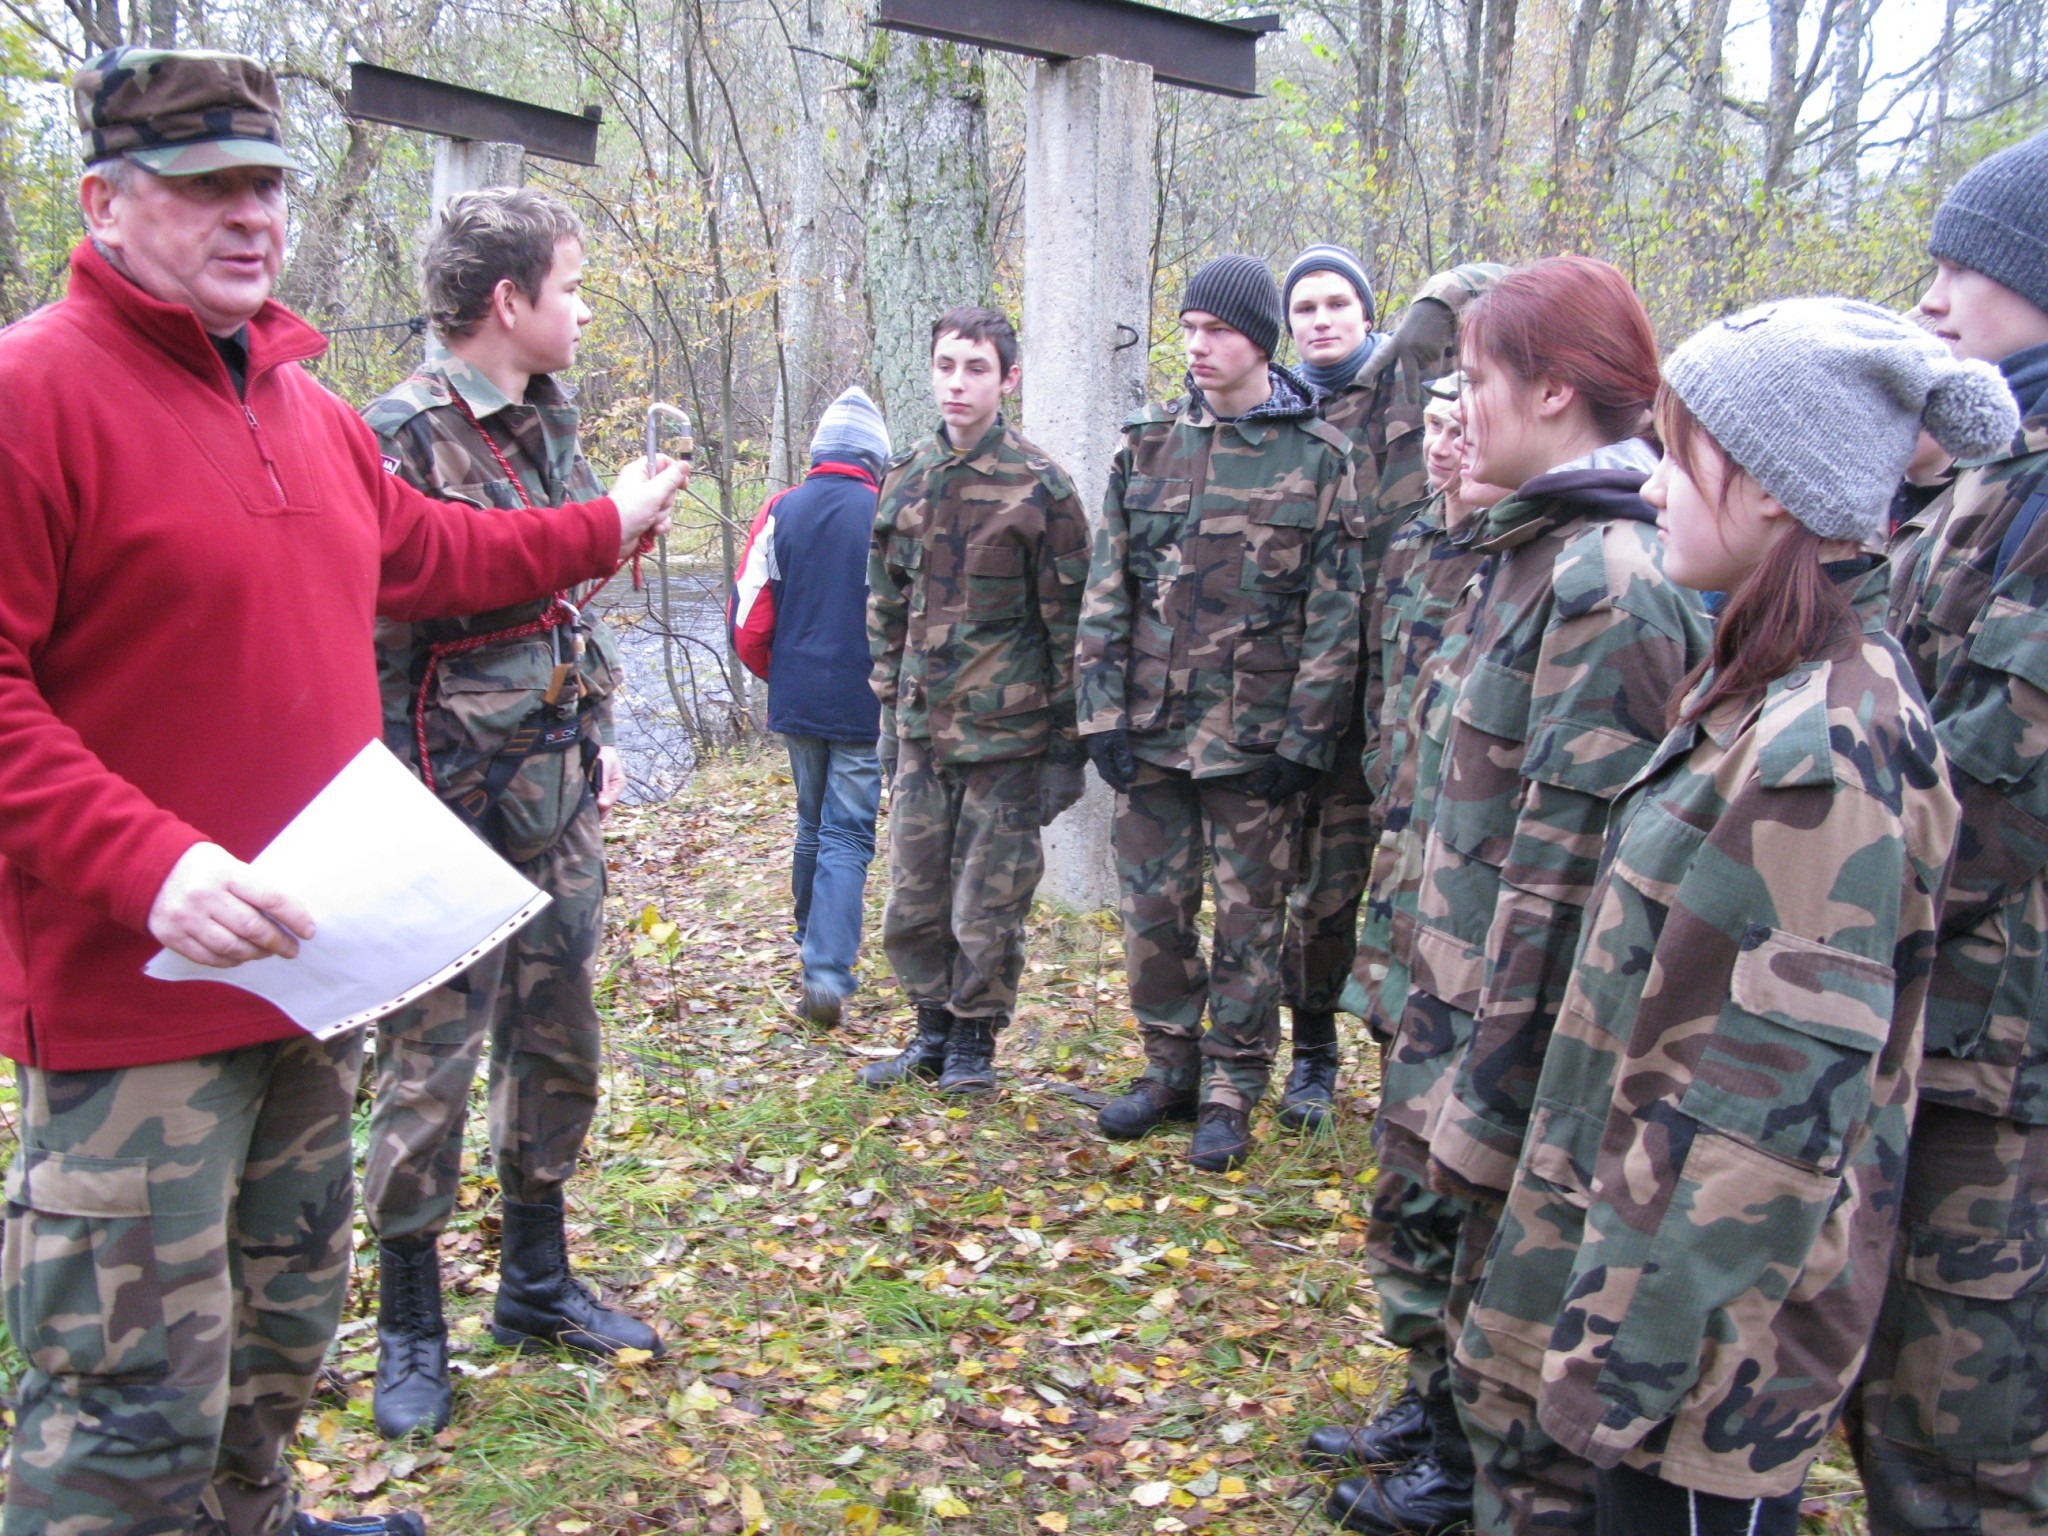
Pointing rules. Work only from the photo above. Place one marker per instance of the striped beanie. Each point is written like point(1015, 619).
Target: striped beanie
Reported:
point(1330, 258)
point(851, 432)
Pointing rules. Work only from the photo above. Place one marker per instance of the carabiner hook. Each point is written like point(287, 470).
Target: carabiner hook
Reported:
point(655, 414)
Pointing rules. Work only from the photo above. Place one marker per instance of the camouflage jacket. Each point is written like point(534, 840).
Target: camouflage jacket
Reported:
point(1428, 585)
point(1578, 645)
point(1970, 606)
point(479, 697)
point(1699, 1233)
point(1222, 617)
point(1380, 411)
point(974, 589)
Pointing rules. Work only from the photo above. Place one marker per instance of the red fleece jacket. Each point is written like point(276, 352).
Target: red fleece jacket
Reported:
point(185, 638)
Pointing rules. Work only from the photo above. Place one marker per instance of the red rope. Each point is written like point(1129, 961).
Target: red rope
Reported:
point(558, 612)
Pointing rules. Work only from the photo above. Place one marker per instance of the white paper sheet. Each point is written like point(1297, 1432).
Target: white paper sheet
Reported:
point(403, 896)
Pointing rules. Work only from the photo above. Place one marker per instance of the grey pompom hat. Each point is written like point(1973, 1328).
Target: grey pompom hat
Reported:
point(1823, 401)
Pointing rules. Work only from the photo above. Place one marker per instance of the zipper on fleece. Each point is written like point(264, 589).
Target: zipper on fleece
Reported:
point(263, 448)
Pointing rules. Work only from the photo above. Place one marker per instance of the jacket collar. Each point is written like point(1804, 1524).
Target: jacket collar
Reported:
point(838, 467)
point(276, 335)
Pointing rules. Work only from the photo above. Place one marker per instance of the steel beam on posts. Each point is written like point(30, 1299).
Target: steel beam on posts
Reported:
point(1216, 56)
point(381, 95)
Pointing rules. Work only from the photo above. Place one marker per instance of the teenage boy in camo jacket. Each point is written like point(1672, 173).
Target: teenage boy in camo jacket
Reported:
point(980, 553)
point(1954, 1401)
point(1219, 650)
point(1369, 385)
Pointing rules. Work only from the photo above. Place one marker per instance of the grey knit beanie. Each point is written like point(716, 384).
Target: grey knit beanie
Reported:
point(1239, 291)
point(1995, 221)
point(1329, 258)
point(1823, 402)
point(851, 432)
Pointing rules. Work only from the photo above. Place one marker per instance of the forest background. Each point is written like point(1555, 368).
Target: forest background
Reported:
point(786, 195)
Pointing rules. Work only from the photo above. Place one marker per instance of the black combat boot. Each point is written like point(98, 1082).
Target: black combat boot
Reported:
point(1309, 1101)
point(1431, 1496)
point(1223, 1139)
point(412, 1390)
point(925, 1056)
point(1398, 1433)
point(540, 1302)
point(1142, 1108)
point(970, 1069)
point(401, 1522)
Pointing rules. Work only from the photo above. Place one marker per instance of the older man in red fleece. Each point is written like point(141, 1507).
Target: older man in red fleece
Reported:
point(199, 537)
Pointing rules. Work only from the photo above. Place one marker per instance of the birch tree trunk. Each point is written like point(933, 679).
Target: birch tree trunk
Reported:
point(927, 210)
point(797, 384)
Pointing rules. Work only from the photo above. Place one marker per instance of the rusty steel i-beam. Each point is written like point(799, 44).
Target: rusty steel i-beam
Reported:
point(380, 95)
point(1216, 56)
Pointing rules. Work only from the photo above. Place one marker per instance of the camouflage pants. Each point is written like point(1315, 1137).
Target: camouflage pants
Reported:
point(530, 1000)
point(1527, 1484)
point(1952, 1407)
point(1336, 856)
point(964, 862)
point(1166, 828)
point(1410, 1245)
point(176, 1257)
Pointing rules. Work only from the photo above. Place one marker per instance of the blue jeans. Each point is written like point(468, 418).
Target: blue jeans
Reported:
point(838, 792)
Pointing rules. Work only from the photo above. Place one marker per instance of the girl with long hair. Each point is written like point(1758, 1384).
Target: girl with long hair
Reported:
point(1575, 643)
point(1696, 1243)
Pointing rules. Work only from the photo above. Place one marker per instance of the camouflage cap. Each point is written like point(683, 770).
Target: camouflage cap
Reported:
point(179, 112)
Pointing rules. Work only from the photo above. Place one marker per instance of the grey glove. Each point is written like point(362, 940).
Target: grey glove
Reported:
point(1278, 777)
point(1059, 786)
point(887, 750)
point(1427, 334)
point(1111, 753)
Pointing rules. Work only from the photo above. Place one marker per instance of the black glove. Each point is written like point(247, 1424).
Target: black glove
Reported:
point(1059, 786)
point(1278, 777)
point(1111, 754)
point(1066, 751)
point(1427, 334)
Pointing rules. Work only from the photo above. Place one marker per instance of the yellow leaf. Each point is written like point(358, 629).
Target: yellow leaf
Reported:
point(572, 1527)
point(950, 1509)
point(862, 1519)
point(1233, 1488)
point(1052, 1520)
point(632, 1357)
point(1180, 1498)
point(1150, 1495)
point(647, 919)
point(752, 1510)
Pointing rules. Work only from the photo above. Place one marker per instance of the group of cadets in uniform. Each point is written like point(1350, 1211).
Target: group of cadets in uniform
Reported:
point(1698, 845)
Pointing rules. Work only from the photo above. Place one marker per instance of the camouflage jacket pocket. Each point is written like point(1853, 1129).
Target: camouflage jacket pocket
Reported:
point(1981, 1307)
point(83, 1297)
point(994, 581)
point(1155, 509)
point(482, 699)
point(1263, 668)
point(1151, 673)
point(1278, 547)
point(1591, 758)
point(1480, 795)
point(1790, 1064)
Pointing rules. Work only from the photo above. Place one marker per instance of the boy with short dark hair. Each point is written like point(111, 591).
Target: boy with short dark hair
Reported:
point(979, 557)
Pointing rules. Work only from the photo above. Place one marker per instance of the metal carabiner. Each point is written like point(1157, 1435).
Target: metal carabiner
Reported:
point(686, 448)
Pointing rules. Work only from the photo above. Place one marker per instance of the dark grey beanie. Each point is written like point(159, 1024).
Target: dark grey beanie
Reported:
point(1823, 402)
point(1996, 220)
point(1239, 291)
point(1329, 258)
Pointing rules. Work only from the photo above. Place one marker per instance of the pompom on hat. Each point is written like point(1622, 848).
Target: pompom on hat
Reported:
point(1823, 400)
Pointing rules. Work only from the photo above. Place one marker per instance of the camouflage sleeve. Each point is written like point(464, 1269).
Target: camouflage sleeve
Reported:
point(1783, 939)
point(605, 644)
point(1063, 560)
point(1103, 642)
point(888, 612)
point(1615, 649)
point(1319, 707)
point(408, 453)
point(1992, 719)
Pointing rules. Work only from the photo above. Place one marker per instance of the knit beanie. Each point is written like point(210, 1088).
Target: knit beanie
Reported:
point(1823, 401)
point(1995, 221)
point(1239, 291)
point(851, 431)
point(1329, 258)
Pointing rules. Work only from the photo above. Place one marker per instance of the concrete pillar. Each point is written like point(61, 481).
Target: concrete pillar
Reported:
point(1088, 208)
point(468, 165)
